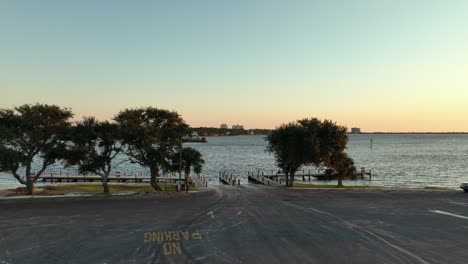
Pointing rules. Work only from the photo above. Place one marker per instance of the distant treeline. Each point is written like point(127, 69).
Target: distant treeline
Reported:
point(213, 131)
point(413, 133)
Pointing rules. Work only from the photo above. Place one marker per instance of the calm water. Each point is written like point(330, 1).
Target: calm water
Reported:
point(395, 160)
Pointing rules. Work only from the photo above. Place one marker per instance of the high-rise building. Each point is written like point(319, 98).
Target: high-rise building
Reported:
point(223, 126)
point(238, 127)
point(355, 130)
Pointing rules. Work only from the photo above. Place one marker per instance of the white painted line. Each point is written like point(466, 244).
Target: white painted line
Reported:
point(458, 203)
point(449, 214)
point(211, 213)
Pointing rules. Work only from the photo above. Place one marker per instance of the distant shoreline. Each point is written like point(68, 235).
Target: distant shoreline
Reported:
point(412, 133)
point(216, 132)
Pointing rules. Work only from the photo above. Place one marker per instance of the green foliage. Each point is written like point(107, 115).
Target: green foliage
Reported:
point(187, 159)
point(289, 143)
point(191, 158)
point(28, 132)
point(94, 145)
point(151, 135)
point(343, 166)
point(310, 142)
point(93, 188)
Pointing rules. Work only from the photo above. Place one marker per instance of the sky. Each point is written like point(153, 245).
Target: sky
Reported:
point(375, 64)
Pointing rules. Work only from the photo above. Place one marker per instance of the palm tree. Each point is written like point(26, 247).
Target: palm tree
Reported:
point(190, 158)
point(344, 167)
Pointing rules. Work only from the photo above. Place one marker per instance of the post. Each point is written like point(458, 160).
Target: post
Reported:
point(180, 162)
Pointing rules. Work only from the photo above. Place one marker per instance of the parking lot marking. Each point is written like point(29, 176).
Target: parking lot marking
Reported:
point(449, 214)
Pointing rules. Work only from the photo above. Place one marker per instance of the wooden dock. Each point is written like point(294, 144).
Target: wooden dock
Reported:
point(261, 179)
point(200, 181)
point(93, 178)
point(319, 175)
point(228, 178)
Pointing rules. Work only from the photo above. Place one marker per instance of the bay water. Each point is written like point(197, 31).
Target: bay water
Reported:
point(396, 160)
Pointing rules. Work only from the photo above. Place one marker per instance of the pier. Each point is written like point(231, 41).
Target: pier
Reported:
point(319, 175)
point(228, 178)
point(95, 178)
point(263, 179)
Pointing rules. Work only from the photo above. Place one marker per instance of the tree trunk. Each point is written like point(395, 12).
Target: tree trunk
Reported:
point(340, 180)
point(286, 178)
point(154, 173)
point(291, 181)
point(29, 185)
point(187, 177)
point(105, 186)
point(29, 182)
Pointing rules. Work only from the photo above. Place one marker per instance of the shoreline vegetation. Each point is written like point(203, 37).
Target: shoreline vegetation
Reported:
point(330, 186)
point(94, 189)
point(349, 133)
point(412, 133)
point(334, 186)
point(220, 132)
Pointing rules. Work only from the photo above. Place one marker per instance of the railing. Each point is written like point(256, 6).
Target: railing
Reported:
point(228, 178)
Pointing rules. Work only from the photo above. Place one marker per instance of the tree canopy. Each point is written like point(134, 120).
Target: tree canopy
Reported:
point(151, 135)
point(94, 145)
point(310, 142)
point(28, 132)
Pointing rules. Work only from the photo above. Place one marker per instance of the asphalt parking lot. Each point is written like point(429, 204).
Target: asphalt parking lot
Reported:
point(247, 224)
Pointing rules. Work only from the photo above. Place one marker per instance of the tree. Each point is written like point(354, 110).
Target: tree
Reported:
point(344, 167)
point(94, 146)
point(191, 158)
point(310, 142)
point(333, 141)
point(30, 132)
point(151, 135)
point(290, 145)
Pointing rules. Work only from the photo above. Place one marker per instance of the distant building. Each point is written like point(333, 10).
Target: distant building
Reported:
point(223, 126)
point(355, 130)
point(238, 127)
